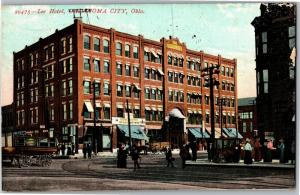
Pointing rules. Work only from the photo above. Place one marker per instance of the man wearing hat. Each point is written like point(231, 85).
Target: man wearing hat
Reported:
point(248, 152)
point(281, 148)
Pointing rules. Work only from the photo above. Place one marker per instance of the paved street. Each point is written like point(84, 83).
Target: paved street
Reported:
point(101, 174)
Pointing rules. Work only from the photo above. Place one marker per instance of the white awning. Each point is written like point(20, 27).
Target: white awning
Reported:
point(160, 72)
point(153, 108)
point(119, 106)
point(160, 109)
point(200, 111)
point(98, 105)
point(137, 87)
point(153, 52)
point(89, 106)
point(195, 111)
point(106, 105)
point(159, 52)
point(147, 108)
point(146, 49)
point(189, 111)
point(176, 113)
point(153, 68)
point(198, 60)
point(137, 107)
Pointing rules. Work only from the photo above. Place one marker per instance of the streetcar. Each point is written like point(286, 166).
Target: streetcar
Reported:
point(29, 151)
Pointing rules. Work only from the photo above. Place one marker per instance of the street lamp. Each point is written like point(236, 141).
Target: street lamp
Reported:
point(211, 82)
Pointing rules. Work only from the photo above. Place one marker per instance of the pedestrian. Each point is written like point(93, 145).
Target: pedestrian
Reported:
point(169, 157)
point(84, 149)
point(269, 149)
point(122, 156)
point(187, 148)
point(194, 150)
point(248, 152)
point(89, 151)
point(281, 149)
point(135, 157)
point(209, 150)
point(63, 148)
point(237, 152)
point(257, 150)
point(183, 155)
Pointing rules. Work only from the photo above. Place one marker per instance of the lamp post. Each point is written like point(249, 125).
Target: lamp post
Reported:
point(210, 71)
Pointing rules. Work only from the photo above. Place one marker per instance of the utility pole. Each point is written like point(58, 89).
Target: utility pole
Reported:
point(94, 129)
point(210, 71)
point(129, 129)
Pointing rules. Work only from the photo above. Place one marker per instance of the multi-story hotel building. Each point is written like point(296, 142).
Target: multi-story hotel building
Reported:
point(62, 80)
point(247, 120)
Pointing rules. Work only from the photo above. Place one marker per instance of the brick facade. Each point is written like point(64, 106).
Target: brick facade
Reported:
point(83, 72)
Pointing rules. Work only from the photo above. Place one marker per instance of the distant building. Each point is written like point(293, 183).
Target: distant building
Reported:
point(7, 125)
point(275, 36)
point(247, 121)
point(62, 80)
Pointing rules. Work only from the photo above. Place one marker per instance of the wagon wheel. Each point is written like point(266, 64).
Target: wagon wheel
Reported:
point(26, 160)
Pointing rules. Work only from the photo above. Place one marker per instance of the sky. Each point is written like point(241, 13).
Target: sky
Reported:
point(220, 28)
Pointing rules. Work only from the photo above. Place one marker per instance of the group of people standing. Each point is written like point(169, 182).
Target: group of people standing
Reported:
point(123, 152)
point(87, 149)
point(259, 152)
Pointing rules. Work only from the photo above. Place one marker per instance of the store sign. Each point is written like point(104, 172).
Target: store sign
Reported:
point(124, 121)
point(174, 45)
point(30, 141)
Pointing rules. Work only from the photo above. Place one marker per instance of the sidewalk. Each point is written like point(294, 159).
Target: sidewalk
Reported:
point(273, 164)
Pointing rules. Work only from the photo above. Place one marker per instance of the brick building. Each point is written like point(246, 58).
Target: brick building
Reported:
point(247, 119)
point(7, 124)
point(62, 81)
point(275, 35)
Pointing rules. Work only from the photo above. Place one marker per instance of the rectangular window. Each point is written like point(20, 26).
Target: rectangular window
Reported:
point(127, 70)
point(52, 52)
point(266, 80)
point(52, 113)
point(97, 65)
point(147, 93)
point(36, 58)
point(136, 93)
point(153, 94)
point(231, 72)
point(170, 74)
point(147, 73)
point(119, 68)
point(170, 95)
point(170, 60)
point(120, 112)
point(106, 89)
point(189, 80)
point(136, 71)
point(87, 65)
point(244, 127)
point(176, 98)
point(181, 94)
point(127, 50)
point(135, 52)
point(119, 90)
point(97, 88)
point(118, 49)
point(87, 87)
point(64, 111)
point(206, 100)
point(147, 115)
point(180, 78)
point(70, 65)
point(207, 118)
point(106, 46)
point(136, 113)
point(70, 44)
point(128, 91)
point(227, 71)
point(264, 42)
point(153, 117)
point(64, 88)
point(106, 113)
point(86, 42)
point(106, 67)
point(46, 53)
point(71, 110)
point(175, 61)
point(175, 77)
point(146, 56)
point(159, 94)
point(63, 46)
point(153, 74)
point(180, 62)
point(96, 44)
point(292, 36)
